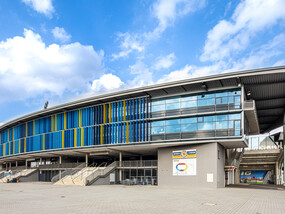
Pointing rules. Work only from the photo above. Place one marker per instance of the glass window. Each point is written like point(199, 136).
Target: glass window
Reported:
point(171, 129)
point(206, 126)
point(237, 124)
point(172, 106)
point(231, 99)
point(221, 117)
point(157, 130)
point(237, 132)
point(158, 123)
point(158, 102)
point(189, 104)
point(174, 100)
point(209, 118)
point(172, 122)
point(158, 108)
point(231, 124)
point(189, 120)
point(188, 98)
point(206, 102)
point(222, 125)
point(234, 116)
point(222, 94)
point(225, 100)
point(200, 119)
point(218, 100)
point(237, 100)
point(189, 127)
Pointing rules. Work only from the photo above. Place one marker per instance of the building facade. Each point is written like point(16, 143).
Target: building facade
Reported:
point(203, 116)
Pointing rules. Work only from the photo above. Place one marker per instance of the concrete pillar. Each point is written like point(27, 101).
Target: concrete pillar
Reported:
point(86, 160)
point(141, 160)
point(10, 165)
point(60, 162)
point(6, 166)
point(237, 176)
point(16, 163)
point(276, 173)
point(41, 160)
point(120, 165)
point(26, 164)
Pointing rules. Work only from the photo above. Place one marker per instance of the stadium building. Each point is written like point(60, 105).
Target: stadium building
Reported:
point(177, 133)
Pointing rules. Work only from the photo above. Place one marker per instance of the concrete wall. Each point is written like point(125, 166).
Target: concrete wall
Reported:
point(30, 178)
point(210, 159)
point(102, 181)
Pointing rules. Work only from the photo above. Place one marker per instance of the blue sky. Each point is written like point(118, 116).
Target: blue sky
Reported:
point(62, 50)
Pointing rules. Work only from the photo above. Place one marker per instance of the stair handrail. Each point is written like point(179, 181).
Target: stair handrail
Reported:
point(100, 172)
point(87, 169)
point(67, 173)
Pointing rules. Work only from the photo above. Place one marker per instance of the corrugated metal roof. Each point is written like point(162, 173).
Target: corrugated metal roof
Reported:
point(267, 87)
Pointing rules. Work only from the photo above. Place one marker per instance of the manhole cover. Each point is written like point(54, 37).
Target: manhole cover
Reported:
point(209, 204)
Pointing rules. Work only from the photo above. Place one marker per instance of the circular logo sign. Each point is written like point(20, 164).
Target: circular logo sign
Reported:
point(181, 167)
point(183, 154)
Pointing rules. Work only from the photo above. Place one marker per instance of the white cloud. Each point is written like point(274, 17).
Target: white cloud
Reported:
point(164, 62)
point(233, 36)
point(29, 68)
point(107, 82)
point(165, 12)
point(263, 57)
point(143, 75)
point(41, 6)
point(128, 44)
point(189, 71)
point(60, 34)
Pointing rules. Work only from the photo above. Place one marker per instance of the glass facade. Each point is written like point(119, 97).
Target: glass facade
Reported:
point(199, 100)
point(201, 123)
point(128, 121)
point(112, 123)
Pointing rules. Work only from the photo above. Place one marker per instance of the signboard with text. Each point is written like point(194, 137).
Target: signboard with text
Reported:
point(184, 162)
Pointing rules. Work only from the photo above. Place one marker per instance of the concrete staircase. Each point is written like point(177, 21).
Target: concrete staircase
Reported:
point(22, 173)
point(87, 175)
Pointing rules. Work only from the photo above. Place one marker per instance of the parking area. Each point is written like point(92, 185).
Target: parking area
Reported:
point(47, 198)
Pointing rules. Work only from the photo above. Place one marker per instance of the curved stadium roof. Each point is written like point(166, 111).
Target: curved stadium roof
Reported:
point(266, 86)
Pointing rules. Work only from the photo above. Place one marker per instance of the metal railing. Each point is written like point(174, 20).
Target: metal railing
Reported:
point(85, 170)
point(60, 166)
point(139, 163)
point(68, 172)
point(100, 172)
point(24, 172)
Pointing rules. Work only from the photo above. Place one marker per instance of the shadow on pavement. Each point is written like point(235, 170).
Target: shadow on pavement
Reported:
point(257, 186)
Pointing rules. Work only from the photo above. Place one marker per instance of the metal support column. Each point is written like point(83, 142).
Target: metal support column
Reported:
point(40, 164)
point(276, 173)
point(86, 160)
point(141, 158)
point(120, 165)
point(60, 162)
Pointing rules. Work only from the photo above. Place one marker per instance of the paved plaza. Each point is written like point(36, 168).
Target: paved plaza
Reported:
point(47, 198)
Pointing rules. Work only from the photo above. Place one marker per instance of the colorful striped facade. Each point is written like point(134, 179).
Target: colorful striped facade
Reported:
point(111, 123)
